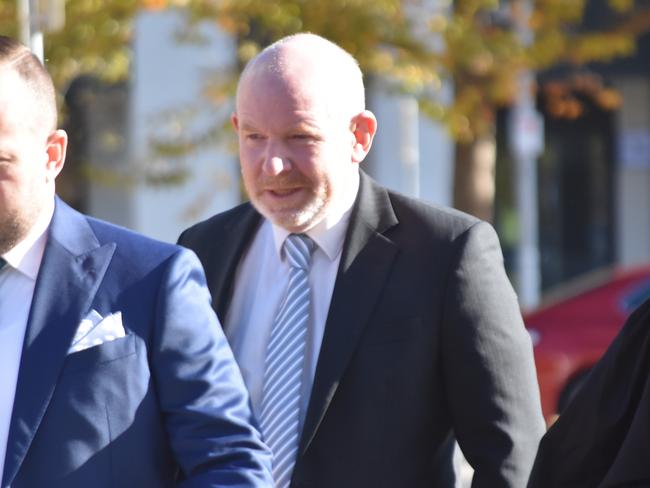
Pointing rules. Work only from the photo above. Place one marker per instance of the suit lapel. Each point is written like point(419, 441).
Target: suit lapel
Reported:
point(223, 262)
point(72, 268)
point(363, 271)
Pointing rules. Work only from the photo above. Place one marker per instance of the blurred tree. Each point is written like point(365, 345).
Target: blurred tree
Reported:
point(413, 45)
point(95, 38)
point(416, 45)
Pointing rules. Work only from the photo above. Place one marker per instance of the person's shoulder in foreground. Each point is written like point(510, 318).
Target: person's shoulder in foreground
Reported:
point(169, 390)
point(198, 388)
point(124, 377)
point(602, 437)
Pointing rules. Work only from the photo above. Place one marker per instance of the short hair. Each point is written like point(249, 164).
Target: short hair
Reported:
point(348, 73)
point(17, 57)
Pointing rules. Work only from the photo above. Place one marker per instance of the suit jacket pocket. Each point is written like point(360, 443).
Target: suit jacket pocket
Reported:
point(101, 354)
point(397, 330)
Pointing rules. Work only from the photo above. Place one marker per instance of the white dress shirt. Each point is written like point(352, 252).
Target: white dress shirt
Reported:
point(17, 282)
point(261, 282)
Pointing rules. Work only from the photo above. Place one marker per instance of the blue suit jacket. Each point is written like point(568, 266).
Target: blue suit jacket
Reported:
point(164, 404)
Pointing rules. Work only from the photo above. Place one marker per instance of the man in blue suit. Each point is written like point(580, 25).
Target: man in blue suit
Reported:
point(113, 368)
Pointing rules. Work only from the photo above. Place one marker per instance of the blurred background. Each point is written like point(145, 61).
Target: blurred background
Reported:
point(531, 114)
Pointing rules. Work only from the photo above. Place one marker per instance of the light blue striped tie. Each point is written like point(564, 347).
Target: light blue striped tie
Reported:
point(285, 355)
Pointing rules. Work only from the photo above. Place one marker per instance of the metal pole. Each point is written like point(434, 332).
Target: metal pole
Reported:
point(37, 46)
point(36, 37)
point(409, 145)
point(528, 262)
point(29, 27)
point(527, 143)
point(24, 25)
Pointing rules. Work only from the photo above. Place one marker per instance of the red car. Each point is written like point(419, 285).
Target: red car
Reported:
point(571, 334)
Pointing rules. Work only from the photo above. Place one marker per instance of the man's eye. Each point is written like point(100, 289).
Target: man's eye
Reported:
point(254, 137)
point(302, 137)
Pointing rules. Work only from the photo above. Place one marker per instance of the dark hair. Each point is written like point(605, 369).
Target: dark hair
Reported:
point(15, 56)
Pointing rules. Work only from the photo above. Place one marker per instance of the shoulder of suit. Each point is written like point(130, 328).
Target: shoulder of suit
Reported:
point(441, 220)
point(138, 247)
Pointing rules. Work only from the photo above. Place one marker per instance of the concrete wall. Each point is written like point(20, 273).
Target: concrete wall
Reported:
point(411, 153)
point(165, 102)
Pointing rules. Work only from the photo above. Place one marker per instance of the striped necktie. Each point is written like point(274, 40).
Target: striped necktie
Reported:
point(2, 263)
point(283, 367)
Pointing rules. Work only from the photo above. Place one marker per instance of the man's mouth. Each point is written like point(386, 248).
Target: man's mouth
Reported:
point(283, 192)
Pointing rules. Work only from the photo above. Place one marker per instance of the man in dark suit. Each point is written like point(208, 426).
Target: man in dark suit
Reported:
point(413, 335)
point(114, 371)
point(602, 437)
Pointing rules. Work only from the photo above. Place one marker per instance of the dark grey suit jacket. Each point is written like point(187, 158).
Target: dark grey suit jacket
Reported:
point(423, 341)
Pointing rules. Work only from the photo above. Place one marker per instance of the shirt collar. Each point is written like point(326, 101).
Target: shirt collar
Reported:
point(329, 233)
point(26, 256)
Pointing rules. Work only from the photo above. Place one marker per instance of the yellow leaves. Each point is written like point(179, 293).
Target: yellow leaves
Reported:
point(566, 98)
point(95, 40)
point(621, 6)
point(481, 63)
point(438, 23)
point(551, 13)
point(116, 66)
point(380, 61)
point(177, 3)
point(219, 88)
point(416, 78)
point(547, 48)
point(601, 47)
point(470, 8)
point(416, 44)
point(247, 50)
point(433, 109)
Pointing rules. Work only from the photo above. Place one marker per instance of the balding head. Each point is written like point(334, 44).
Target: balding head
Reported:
point(303, 130)
point(19, 59)
point(307, 62)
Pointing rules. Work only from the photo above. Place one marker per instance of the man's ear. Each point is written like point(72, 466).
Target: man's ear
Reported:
point(56, 147)
point(234, 121)
point(364, 127)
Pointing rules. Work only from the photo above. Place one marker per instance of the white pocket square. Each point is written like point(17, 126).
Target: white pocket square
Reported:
point(94, 330)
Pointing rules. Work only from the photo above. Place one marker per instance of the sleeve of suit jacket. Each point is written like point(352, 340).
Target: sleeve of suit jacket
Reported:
point(603, 437)
point(488, 365)
point(200, 389)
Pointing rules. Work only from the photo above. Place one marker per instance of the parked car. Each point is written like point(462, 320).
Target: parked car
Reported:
point(571, 332)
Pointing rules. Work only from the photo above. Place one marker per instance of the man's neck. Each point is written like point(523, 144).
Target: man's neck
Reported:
point(26, 256)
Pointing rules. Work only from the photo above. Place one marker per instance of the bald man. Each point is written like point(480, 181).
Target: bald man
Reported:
point(371, 328)
point(113, 369)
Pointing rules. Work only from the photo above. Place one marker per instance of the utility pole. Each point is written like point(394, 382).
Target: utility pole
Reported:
point(526, 136)
point(36, 17)
point(30, 35)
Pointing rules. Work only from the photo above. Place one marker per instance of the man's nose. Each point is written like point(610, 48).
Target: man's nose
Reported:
point(273, 166)
point(275, 161)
